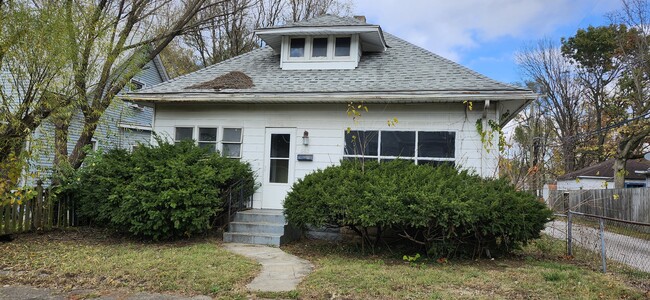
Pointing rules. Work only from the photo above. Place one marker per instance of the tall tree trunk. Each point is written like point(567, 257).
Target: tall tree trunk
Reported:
point(619, 172)
point(78, 154)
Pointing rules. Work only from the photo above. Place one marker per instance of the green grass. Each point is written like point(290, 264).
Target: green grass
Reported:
point(342, 272)
point(86, 258)
point(93, 259)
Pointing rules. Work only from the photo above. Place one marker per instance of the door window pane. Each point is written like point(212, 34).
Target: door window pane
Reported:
point(279, 170)
point(297, 48)
point(319, 47)
point(184, 133)
point(398, 143)
point(280, 144)
point(342, 46)
point(436, 144)
point(359, 142)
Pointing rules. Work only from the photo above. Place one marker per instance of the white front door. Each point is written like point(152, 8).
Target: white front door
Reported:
point(279, 160)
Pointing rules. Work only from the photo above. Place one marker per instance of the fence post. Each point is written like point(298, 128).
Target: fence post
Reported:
point(569, 235)
point(602, 244)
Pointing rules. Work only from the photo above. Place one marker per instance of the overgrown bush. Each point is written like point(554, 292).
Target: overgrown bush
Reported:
point(450, 212)
point(159, 192)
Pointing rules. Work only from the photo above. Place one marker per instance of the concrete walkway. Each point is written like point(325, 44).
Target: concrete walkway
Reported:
point(628, 250)
point(32, 293)
point(281, 272)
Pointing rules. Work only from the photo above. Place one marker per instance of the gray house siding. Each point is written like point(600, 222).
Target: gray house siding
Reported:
point(123, 125)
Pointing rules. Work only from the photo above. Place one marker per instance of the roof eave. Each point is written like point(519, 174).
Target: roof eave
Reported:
point(402, 97)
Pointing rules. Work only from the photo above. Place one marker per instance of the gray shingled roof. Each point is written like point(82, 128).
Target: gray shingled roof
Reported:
point(325, 20)
point(605, 170)
point(403, 67)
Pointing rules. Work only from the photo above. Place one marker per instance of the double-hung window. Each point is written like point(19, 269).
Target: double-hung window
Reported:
point(231, 142)
point(183, 133)
point(208, 138)
point(421, 147)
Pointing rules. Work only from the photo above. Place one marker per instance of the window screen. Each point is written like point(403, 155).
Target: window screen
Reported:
point(184, 133)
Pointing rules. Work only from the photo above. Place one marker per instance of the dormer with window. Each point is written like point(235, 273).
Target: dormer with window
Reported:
point(322, 46)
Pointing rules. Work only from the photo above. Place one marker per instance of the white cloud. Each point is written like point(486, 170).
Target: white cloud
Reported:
point(448, 27)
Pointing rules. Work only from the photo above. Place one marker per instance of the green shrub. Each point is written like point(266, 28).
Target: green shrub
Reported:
point(452, 212)
point(158, 192)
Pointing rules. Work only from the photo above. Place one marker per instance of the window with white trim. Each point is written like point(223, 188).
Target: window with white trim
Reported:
point(320, 48)
point(208, 138)
point(421, 147)
point(183, 134)
point(342, 46)
point(231, 142)
point(297, 47)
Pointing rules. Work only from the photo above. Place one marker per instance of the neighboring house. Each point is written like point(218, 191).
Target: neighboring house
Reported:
point(282, 108)
point(601, 176)
point(123, 125)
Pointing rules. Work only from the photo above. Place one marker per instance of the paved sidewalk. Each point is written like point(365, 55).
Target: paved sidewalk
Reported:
point(628, 250)
point(281, 272)
point(27, 292)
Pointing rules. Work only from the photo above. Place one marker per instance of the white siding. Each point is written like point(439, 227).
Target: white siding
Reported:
point(584, 184)
point(326, 125)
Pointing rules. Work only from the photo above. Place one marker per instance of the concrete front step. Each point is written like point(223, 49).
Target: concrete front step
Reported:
point(256, 227)
point(260, 216)
point(260, 226)
point(252, 238)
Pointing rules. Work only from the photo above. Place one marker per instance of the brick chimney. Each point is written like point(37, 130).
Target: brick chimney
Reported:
point(361, 18)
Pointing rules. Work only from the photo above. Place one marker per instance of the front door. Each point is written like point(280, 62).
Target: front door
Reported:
point(278, 166)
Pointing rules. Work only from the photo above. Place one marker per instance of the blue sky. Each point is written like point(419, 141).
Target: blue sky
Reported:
point(484, 35)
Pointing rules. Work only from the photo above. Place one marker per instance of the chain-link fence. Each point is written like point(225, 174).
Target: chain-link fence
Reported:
point(615, 240)
point(610, 224)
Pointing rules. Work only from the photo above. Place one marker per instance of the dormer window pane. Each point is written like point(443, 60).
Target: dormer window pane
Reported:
point(297, 48)
point(342, 46)
point(319, 48)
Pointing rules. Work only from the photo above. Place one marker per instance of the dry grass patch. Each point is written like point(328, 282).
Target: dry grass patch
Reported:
point(88, 258)
point(343, 273)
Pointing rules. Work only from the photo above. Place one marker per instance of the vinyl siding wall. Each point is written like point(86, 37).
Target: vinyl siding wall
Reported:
point(109, 133)
point(326, 125)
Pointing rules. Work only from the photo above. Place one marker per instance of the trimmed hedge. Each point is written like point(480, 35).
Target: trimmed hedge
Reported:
point(161, 192)
point(451, 212)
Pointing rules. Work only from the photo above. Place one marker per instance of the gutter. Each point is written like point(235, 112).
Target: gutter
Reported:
point(402, 97)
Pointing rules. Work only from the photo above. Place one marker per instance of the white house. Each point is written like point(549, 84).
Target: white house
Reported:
point(601, 176)
point(283, 107)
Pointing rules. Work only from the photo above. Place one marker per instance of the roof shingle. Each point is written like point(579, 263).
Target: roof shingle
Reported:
point(403, 67)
